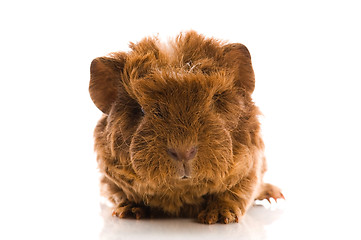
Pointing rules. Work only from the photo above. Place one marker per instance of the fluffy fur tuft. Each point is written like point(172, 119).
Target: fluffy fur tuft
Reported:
point(179, 135)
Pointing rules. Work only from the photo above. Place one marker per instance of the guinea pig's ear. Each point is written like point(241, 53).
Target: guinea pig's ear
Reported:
point(105, 80)
point(237, 56)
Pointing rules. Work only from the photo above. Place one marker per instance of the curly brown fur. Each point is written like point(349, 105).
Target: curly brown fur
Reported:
point(179, 134)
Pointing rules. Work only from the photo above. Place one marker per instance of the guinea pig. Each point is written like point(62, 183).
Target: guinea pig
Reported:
point(179, 135)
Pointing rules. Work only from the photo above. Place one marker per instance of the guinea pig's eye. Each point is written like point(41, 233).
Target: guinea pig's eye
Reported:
point(156, 111)
point(158, 114)
point(216, 96)
point(143, 112)
point(220, 99)
point(219, 96)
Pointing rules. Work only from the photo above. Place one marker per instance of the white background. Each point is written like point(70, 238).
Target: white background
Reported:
point(306, 57)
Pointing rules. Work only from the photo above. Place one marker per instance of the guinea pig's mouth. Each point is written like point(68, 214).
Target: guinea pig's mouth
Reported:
point(184, 171)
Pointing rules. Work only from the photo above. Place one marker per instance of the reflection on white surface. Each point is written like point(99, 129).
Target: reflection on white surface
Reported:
point(291, 219)
point(251, 227)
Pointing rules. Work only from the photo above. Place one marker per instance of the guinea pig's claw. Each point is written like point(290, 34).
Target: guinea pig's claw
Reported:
point(283, 197)
point(279, 197)
point(114, 213)
point(276, 198)
point(138, 215)
point(270, 191)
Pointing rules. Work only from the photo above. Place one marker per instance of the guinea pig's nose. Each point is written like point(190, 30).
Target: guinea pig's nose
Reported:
point(182, 154)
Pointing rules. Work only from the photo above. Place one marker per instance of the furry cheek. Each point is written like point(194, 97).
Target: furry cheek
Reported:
point(216, 156)
point(148, 155)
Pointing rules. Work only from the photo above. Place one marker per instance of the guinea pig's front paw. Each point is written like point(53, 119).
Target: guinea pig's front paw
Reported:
point(219, 212)
point(130, 210)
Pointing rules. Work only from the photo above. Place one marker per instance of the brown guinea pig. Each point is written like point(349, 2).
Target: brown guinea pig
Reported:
point(179, 135)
